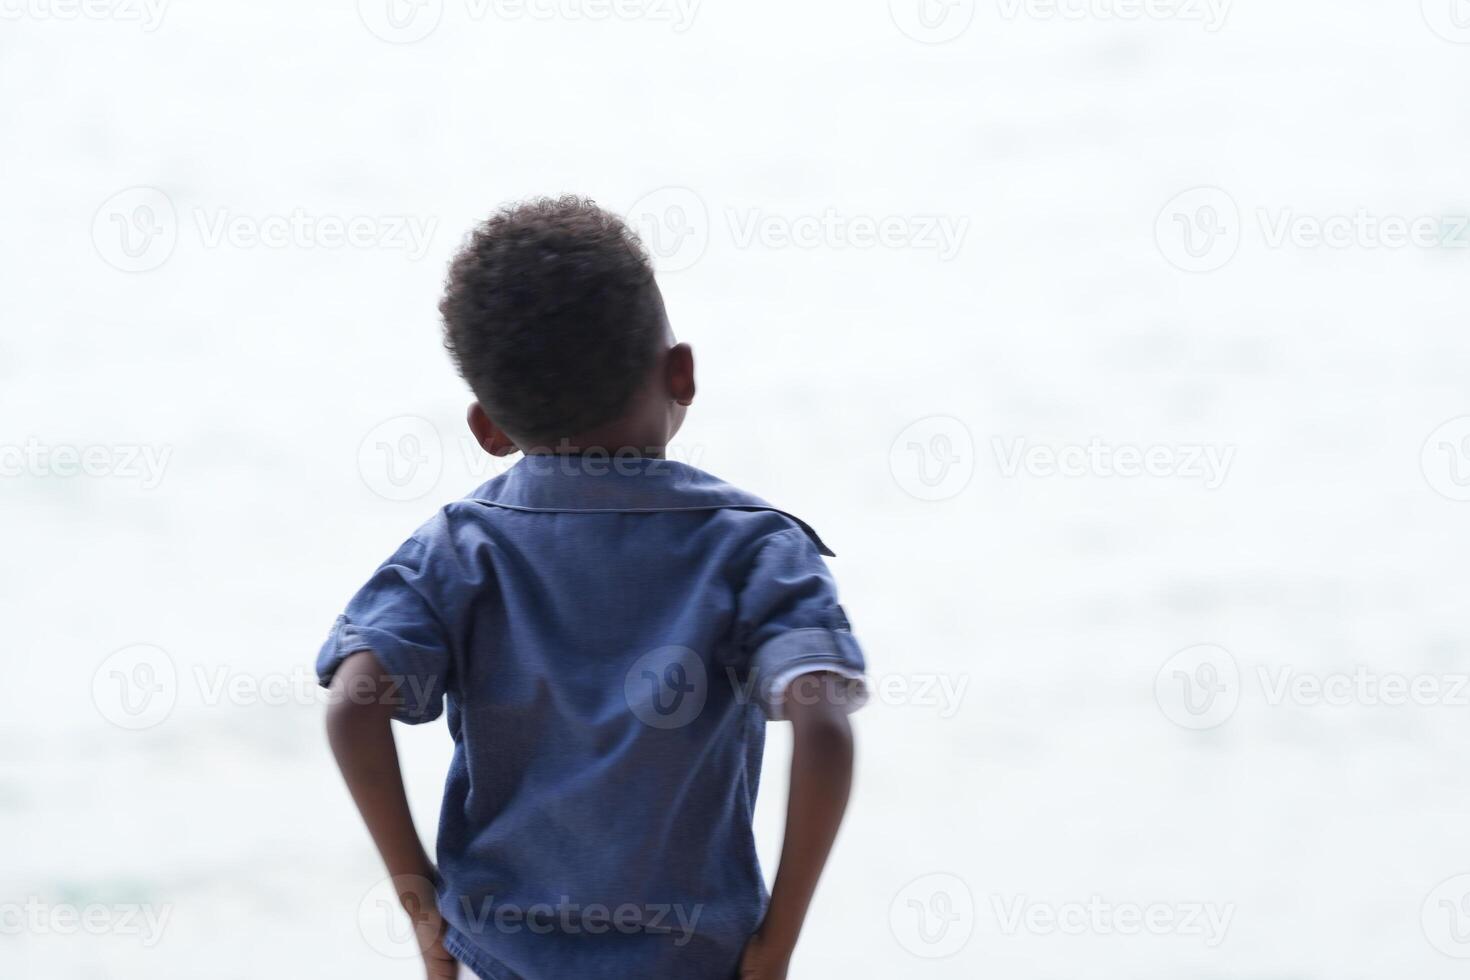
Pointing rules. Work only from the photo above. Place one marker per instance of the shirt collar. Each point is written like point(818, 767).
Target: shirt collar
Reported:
point(591, 483)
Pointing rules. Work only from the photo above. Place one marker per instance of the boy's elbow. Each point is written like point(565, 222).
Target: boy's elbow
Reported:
point(822, 728)
point(829, 733)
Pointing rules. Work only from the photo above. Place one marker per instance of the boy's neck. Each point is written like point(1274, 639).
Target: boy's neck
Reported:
point(643, 428)
point(568, 448)
point(597, 443)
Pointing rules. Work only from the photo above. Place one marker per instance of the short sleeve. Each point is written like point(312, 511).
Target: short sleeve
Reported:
point(790, 624)
point(398, 617)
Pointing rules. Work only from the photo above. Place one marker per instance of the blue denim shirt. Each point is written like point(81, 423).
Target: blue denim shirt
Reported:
point(611, 636)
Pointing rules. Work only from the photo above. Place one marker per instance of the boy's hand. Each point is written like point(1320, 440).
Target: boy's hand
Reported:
point(416, 895)
point(428, 927)
point(762, 961)
point(438, 964)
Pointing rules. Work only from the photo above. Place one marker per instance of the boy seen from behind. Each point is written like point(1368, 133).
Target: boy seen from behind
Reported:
point(611, 631)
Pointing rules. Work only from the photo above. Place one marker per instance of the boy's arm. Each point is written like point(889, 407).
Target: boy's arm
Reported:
point(821, 778)
point(359, 727)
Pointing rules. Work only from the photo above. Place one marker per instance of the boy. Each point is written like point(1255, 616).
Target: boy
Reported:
point(611, 630)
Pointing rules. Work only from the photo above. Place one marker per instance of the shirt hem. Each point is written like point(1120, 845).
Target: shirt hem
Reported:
point(472, 957)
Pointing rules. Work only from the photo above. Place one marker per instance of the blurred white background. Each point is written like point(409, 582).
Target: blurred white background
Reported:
point(1117, 347)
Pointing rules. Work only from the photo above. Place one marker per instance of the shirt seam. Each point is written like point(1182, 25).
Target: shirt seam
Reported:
point(800, 525)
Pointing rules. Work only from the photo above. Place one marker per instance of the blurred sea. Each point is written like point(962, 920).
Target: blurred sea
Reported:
point(269, 367)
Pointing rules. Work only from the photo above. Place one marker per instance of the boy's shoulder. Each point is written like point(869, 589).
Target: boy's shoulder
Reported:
point(601, 484)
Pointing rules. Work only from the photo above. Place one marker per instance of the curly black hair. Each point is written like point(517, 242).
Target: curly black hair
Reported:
point(552, 316)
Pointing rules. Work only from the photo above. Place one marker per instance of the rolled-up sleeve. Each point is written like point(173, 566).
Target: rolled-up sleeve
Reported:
point(791, 624)
point(397, 617)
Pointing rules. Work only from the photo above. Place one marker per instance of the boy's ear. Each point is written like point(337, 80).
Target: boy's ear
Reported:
point(681, 374)
point(490, 436)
